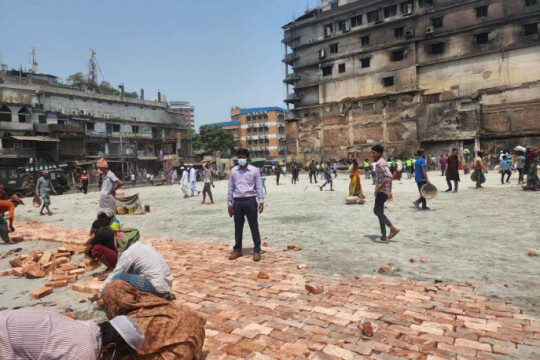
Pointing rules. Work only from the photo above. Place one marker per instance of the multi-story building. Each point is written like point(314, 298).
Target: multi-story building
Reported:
point(43, 120)
point(409, 73)
point(233, 127)
point(186, 109)
point(262, 130)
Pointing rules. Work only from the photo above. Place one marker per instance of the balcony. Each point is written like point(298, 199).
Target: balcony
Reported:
point(292, 98)
point(291, 78)
point(290, 39)
point(290, 58)
point(291, 116)
point(17, 153)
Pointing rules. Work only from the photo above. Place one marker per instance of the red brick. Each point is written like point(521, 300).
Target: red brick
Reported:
point(38, 294)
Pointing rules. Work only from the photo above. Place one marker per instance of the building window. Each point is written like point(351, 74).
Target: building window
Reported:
point(249, 130)
point(530, 29)
point(328, 30)
point(373, 16)
point(405, 6)
point(116, 128)
point(366, 62)
point(134, 129)
point(365, 40)
point(341, 68)
point(388, 81)
point(333, 48)
point(436, 49)
point(530, 2)
point(5, 114)
point(24, 115)
point(481, 39)
point(424, 3)
point(327, 70)
point(368, 107)
point(356, 21)
point(397, 55)
point(398, 32)
point(481, 11)
point(390, 11)
point(248, 118)
point(90, 126)
point(342, 25)
point(334, 4)
point(437, 23)
point(42, 119)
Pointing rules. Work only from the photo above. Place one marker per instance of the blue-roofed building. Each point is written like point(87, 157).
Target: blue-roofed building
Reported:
point(262, 130)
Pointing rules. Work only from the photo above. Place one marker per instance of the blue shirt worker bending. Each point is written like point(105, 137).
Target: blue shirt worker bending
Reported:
point(245, 187)
point(421, 177)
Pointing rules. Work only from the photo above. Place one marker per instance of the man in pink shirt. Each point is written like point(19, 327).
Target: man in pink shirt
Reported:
point(245, 187)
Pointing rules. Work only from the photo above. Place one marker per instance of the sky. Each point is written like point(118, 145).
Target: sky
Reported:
point(214, 53)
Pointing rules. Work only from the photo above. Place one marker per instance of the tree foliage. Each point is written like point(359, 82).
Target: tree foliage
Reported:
point(78, 80)
point(212, 138)
point(81, 82)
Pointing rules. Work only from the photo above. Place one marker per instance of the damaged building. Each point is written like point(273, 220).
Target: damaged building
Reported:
point(432, 73)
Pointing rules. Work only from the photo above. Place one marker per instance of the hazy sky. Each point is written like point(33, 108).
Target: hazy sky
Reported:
point(213, 53)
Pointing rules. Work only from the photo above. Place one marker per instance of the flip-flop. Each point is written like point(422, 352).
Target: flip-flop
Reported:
point(380, 241)
point(392, 234)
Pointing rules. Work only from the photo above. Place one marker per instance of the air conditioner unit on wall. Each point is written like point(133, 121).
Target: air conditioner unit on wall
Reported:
point(82, 112)
point(408, 9)
point(409, 34)
point(74, 112)
point(430, 30)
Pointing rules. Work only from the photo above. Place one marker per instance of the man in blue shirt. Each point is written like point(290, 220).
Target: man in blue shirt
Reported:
point(420, 175)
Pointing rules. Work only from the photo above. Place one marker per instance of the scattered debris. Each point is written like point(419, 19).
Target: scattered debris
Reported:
point(263, 275)
point(382, 269)
point(38, 294)
point(469, 284)
point(265, 244)
point(301, 266)
point(291, 246)
point(297, 248)
point(425, 260)
point(315, 290)
point(532, 253)
point(367, 329)
point(391, 264)
point(412, 260)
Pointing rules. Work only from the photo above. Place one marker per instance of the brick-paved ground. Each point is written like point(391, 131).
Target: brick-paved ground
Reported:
point(277, 318)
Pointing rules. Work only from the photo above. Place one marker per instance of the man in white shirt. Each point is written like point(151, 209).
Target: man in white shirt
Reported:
point(108, 189)
point(193, 180)
point(40, 334)
point(142, 266)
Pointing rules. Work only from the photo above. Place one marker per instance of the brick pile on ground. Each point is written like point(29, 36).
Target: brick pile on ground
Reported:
point(273, 315)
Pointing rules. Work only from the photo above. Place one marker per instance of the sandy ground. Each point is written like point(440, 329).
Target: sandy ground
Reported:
point(479, 236)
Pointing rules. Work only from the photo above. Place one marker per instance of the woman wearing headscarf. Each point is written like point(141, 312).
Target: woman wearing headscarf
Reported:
point(355, 187)
point(171, 331)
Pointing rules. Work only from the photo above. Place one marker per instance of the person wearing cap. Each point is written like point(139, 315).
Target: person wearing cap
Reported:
point(44, 188)
point(8, 206)
point(41, 334)
point(110, 184)
point(193, 180)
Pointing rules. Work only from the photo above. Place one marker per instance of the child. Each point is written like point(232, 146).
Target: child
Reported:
point(505, 169)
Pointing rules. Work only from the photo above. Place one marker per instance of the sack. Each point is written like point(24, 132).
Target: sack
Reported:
point(124, 238)
point(473, 176)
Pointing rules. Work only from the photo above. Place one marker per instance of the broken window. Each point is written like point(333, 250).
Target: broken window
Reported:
point(5, 114)
point(481, 11)
point(437, 48)
point(328, 30)
point(398, 32)
point(90, 126)
point(481, 38)
point(530, 29)
point(424, 3)
point(333, 48)
point(388, 81)
point(397, 55)
point(327, 70)
point(366, 62)
point(365, 40)
point(437, 22)
point(390, 11)
point(356, 21)
point(341, 68)
point(530, 2)
point(373, 16)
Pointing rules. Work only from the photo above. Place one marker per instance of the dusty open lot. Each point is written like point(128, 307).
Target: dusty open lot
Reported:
point(479, 236)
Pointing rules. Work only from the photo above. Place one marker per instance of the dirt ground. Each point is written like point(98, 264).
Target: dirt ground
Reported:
point(479, 236)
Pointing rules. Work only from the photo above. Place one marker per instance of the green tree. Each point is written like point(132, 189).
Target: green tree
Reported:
point(78, 80)
point(196, 142)
point(131, 95)
point(214, 139)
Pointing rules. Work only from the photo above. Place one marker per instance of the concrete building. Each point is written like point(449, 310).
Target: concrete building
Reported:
point(262, 131)
point(409, 73)
point(232, 127)
point(42, 120)
point(186, 109)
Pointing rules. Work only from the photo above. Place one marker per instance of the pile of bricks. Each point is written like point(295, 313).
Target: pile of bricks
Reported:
point(55, 264)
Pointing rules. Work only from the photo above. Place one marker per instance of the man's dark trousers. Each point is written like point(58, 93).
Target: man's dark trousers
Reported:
point(422, 199)
point(314, 176)
point(246, 209)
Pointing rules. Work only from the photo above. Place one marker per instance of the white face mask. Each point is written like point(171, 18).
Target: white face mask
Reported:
point(242, 162)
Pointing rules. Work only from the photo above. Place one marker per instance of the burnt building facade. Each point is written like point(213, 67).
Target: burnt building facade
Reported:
point(409, 73)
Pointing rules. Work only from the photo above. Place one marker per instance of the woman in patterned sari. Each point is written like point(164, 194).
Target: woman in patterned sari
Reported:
point(355, 187)
point(171, 331)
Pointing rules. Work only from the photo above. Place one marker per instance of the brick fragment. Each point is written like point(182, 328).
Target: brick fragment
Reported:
point(367, 329)
point(70, 314)
point(16, 262)
point(263, 275)
point(34, 271)
point(315, 290)
point(473, 344)
point(76, 271)
point(18, 272)
point(7, 272)
point(38, 294)
point(46, 257)
point(57, 283)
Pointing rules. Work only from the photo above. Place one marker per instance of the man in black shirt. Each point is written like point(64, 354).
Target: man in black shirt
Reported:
point(101, 246)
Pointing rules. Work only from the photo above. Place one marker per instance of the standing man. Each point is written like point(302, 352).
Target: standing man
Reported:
point(335, 168)
point(277, 171)
point(442, 162)
point(208, 183)
point(245, 186)
point(479, 169)
point(108, 189)
point(193, 180)
point(408, 165)
point(367, 169)
point(505, 170)
point(383, 193)
point(83, 180)
point(420, 175)
point(184, 181)
point(312, 171)
point(43, 188)
point(452, 170)
point(8, 206)
point(133, 179)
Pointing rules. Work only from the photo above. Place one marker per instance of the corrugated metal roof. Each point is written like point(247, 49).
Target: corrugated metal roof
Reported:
point(36, 138)
point(226, 123)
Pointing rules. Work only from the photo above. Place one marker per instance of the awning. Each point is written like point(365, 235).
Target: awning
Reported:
point(36, 138)
point(147, 158)
point(258, 159)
